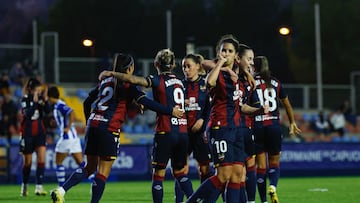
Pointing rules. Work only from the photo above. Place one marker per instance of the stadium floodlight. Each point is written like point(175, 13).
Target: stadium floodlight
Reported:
point(284, 30)
point(87, 42)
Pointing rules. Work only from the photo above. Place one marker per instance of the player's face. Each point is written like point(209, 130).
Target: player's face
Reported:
point(190, 69)
point(228, 51)
point(37, 90)
point(247, 60)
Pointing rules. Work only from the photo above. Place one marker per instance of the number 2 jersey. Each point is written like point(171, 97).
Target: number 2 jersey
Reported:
point(168, 90)
point(270, 97)
point(110, 101)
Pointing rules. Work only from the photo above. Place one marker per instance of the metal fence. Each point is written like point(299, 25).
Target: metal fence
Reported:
point(73, 72)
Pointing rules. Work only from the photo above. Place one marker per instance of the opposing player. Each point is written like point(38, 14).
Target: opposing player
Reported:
point(267, 130)
point(197, 108)
point(68, 142)
point(34, 106)
point(171, 139)
point(110, 97)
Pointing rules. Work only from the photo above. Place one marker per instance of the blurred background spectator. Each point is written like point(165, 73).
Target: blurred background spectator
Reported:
point(322, 126)
point(17, 74)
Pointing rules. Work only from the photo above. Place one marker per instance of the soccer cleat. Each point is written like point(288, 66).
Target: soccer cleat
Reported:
point(273, 196)
point(56, 196)
point(40, 192)
point(24, 191)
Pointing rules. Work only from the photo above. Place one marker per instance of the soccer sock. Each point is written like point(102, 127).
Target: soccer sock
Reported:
point(261, 183)
point(97, 188)
point(208, 191)
point(82, 164)
point(26, 174)
point(251, 183)
point(60, 174)
point(76, 177)
point(232, 192)
point(157, 189)
point(185, 184)
point(179, 194)
point(274, 174)
point(243, 196)
point(40, 169)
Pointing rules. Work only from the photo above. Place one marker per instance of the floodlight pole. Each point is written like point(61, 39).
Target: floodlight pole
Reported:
point(168, 29)
point(318, 57)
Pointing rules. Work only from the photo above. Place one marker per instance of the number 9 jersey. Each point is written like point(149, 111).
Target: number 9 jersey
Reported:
point(168, 90)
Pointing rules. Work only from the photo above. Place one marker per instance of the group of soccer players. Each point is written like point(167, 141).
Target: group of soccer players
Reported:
point(224, 111)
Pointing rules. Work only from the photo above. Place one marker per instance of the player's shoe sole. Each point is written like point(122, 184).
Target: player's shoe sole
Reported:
point(56, 197)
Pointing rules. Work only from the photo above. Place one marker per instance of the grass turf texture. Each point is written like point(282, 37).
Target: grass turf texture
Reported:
point(290, 190)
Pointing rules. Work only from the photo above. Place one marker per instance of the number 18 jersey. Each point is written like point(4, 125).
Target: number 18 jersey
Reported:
point(269, 96)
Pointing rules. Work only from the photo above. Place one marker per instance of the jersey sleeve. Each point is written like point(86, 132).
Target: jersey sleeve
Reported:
point(148, 103)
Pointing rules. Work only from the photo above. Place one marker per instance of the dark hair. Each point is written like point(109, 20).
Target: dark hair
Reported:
point(243, 48)
point(228, 39)
point(122, 62)
point(261, 65)
point(32, 83)
point(53, 92)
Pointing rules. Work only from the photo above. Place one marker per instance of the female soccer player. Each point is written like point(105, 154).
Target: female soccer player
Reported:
point(34, 105)
point(267, 130)
point(171, 139)
point(111, 97)
point(197, 108)
point(245, 62)
point(227, 143)
point(68, 142)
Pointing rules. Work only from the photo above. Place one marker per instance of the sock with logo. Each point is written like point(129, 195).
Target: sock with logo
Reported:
point(274, 174)
point(76, 177)
point(261, 183)
point(97, 188)
point(157, 189)
point(185, 184)
point(179, 194)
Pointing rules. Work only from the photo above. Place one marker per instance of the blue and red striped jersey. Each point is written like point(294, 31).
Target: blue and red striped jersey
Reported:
point(270, 97)
point(225, 97)
point(32, 116)
point(197, 101)
point(168, 90)
point(249, 98)
point(110, 107)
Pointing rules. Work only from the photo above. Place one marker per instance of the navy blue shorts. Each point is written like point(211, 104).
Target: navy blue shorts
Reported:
point(28, 144)
point(268, 139)
point(227, 146)
point(168, 146)
point(102, 143)
point(199, 146)
point(249, 141)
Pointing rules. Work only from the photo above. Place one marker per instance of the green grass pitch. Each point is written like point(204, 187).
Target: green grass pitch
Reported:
point(290, 190)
